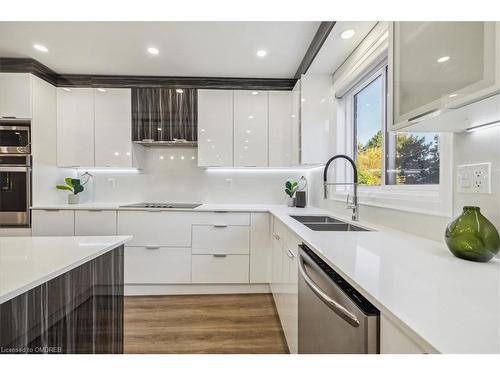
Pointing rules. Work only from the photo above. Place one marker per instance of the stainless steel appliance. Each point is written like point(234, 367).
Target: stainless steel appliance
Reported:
point(15, 189)
point(163, 205)
point(333, 317)
point(14, 138)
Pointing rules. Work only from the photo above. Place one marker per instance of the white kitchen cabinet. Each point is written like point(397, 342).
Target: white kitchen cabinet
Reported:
point(221, 239)
point(393, 340)
point(15, 95)
point(95, 223)
point(75, 127)
point(435, 67)
point(251, 129)
point(215, 128)
point(157, 265)
point(113, 122)
point(156, 228)
point(316, 124)
point(283, 130)
point(227, 269)
point(52, 222)
point(260, 248)
point(221, 218)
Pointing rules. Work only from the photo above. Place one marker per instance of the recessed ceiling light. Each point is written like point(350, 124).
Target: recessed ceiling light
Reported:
point(101, 89)
point(153, 51)
point(40, 48)
point(179, 91)
point(443, 59)
point(261, 53)
point(347, 34)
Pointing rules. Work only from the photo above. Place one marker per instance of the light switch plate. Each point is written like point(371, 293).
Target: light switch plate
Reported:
point(474, 178)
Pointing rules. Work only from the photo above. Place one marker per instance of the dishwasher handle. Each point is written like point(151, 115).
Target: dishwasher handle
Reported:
point(329, 301)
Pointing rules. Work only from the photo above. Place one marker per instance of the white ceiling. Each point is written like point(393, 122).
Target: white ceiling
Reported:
point(335, 50)
point(215, 49)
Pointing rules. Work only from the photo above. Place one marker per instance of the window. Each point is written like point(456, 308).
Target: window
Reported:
point(410, 158)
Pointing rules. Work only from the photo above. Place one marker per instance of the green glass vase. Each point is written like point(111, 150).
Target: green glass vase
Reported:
point(471, 236)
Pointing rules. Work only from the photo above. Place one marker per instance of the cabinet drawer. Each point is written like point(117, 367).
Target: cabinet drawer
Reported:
point(215, 269)
point(156, 265)
point(95, 223)
point(222, 217)
point(157, 228)
point(53, 223)
point(217, 239)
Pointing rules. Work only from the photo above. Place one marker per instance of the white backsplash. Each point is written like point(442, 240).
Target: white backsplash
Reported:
point(172, 175)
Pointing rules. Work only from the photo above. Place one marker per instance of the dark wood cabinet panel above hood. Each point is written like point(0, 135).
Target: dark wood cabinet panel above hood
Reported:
point(161, 114)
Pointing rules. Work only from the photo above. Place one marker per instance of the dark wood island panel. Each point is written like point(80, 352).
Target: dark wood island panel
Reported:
point(80, 311)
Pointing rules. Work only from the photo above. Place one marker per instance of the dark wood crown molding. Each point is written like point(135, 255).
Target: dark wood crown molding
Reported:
point(28, 65)
point(319, 38)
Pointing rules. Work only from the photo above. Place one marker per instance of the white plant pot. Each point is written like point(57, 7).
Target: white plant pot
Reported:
point(73, 198)
point(290, 202)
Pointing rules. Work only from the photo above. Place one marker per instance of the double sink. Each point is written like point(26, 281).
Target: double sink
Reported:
point(327, 223)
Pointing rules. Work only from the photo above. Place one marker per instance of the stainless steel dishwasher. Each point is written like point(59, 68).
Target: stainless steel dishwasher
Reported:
point(333, 316)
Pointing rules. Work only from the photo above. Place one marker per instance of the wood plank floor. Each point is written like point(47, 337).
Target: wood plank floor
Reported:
point(230, 323)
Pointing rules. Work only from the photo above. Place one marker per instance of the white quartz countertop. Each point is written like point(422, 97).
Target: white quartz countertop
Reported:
point(120, 206)
point(445, 304)
point(27, 262)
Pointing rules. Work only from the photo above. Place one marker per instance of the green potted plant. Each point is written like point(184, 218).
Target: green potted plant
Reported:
point(290, 189)
point(73, 185)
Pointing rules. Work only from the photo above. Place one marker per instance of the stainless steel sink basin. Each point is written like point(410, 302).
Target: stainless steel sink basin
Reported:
point(327, 223)
point(315, 219)
point(337, 227)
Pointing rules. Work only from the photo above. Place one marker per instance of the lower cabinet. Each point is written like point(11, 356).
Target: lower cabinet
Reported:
point(217, 268)
point(284, 281)
point(52, 223)
point(95, 223)
point(157, 265)
point(393, 340)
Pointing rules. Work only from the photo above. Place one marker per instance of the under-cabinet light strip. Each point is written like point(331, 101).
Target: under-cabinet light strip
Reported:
point(488, 125)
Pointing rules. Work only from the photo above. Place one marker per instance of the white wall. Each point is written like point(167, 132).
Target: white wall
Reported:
point(172, 175)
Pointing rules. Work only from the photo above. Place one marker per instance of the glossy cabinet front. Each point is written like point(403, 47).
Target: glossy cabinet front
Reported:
point(75, 127)
point(283, 130)
point(251, 129)
point(15, 95)
point(438, 65)
point(215, 128)
point(113, 136)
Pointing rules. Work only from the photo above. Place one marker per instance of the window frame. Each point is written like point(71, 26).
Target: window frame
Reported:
point(433, 199)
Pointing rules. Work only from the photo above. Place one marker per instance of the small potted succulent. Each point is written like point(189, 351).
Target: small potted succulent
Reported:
point(290, 189)
point(73, 185)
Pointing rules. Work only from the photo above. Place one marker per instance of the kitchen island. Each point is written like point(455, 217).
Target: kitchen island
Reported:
point(61, 294)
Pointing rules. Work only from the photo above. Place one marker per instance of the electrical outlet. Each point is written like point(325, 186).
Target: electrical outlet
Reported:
point(474, 178)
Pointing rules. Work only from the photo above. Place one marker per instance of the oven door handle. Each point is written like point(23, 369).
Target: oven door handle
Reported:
point(329, 301)
point(14, 169)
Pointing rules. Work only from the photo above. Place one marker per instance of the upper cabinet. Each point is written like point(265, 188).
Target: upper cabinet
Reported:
point(164, 115)
point(439, 67)
point(251, 128)
point(75, 127)
point(283, 130)
point(94, 127)
point(315, 118)
point(15, 95)
point(113, 135)
point(248, 128)
point(215, 128)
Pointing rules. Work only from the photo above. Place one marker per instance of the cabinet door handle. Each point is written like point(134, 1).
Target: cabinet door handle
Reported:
point(51, 210)
point(95, 210)
point(422, 115)
point(290, 254)
point(276, 236)
point(220, 212)
point(152, 247)
point(220, 225)
point(220, 255)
